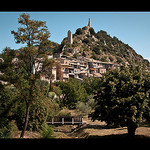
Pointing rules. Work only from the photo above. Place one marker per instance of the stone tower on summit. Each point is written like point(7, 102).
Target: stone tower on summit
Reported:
point(70, 39)
point(89, 23)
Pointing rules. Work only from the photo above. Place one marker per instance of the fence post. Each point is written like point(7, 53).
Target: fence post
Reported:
point(62, 120)
point(72, 120)
point(52, 120)
point(82, 120)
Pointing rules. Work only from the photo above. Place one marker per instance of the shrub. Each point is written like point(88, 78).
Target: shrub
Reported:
point(87, 107)
point(3, 132)
point(9, 131)
point(92, 32)
point(75, 55)
point(13, 129)
point(64, 112)
point(51, 95)
point(86, 41)
point(47, 131)
point(104, 59)
point(111, 58)
point(91, 101)
point(83, 107)
point(40, 110)
point(96, 50)
point(78, 31)
point(94, 56)
point(119, 60)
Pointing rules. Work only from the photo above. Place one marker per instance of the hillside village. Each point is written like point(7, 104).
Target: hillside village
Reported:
point(73, 64)
point(77, 64)
point(79, 67)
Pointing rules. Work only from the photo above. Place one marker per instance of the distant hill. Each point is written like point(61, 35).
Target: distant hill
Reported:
point(100, 46)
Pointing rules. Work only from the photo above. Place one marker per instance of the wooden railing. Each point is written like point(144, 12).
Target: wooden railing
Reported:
point(65, 120)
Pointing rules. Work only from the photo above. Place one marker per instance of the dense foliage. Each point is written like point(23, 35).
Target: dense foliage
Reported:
point(124, 97)
point(72, 91)
point(21, 68)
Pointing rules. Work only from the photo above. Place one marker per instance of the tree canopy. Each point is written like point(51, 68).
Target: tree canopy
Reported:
point(124, 97)
point(22, 68)
point(73, 91)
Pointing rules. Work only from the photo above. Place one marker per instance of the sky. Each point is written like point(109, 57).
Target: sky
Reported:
point(132, 28)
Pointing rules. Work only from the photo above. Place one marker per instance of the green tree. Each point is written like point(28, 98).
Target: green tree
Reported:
point(92, 32)
point(96, 50)
point(104, 59)
point(91, 84)
point(21, 68)
point(75, 55)
point(48, 67)
point(8, 99)
point(86, 107)
point(123, 97)
point(72, 91)
point(79, 31)
point(84, 54)
point(86, 41)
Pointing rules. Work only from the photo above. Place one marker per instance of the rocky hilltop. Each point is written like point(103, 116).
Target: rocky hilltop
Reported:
point(99, 46)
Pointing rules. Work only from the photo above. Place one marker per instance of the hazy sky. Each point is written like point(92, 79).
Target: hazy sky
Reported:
point(132, 28)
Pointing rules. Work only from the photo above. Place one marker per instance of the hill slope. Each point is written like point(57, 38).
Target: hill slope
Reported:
point(99, 46)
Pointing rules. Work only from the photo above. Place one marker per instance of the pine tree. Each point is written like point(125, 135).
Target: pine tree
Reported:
point(23, 67)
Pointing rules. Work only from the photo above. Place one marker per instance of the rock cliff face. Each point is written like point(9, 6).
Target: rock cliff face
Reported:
point(100, 46)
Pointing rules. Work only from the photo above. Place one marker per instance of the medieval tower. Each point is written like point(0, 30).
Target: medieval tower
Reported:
point(89, 23)
point(70, 39)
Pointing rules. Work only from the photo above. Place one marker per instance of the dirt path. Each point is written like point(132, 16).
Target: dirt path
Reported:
point(90, 129)
point(99, 129)
point(29, 135)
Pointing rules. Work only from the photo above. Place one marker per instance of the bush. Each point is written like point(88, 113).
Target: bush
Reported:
point(47, 131)
point(3, 132)
point(82, 107)
point(73, 91)
point(111, 58)
point(64, 112)
point(51, 95)
point(91, 101)
point(87, 107)
point(13, 129)
point(78, 31)
point(86, 41)
point(119, 60)
point(40, 111)
point(104, 59)
point(9, 131)
point(94, 56)
point(96, 50)
point(92, 32)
